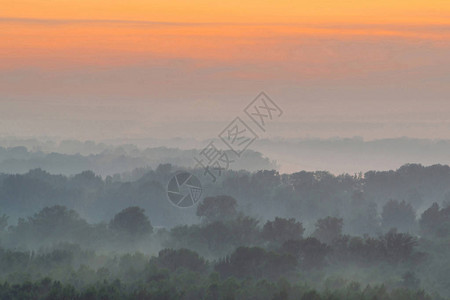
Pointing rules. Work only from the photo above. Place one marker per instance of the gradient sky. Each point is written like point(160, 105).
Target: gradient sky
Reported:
point(139, 69)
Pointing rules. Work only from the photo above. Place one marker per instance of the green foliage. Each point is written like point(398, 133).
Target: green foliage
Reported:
point(217, 208)
point(51, 223)
point(436, 221)
point(328, 229)
point(310, 252)
point(131, 221)
point(399, 215)
point(281, 230)
point(181, 258)
point(56, 254)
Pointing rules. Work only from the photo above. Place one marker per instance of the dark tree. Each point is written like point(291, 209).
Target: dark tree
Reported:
point(132, 221)
point(400, 215)
point(435, 221)
point(217, 208)
point(217, 235)
point(398, 246)
point(245, 230)
point(328, 229)
point(281, 230)
point(56, 222)
point(430, 219)
point(181, 258)
point(310, 252)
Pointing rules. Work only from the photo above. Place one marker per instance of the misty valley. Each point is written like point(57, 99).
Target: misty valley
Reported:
point(252, 235)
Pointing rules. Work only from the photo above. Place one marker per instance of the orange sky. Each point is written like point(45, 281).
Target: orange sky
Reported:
point(163, 53)
point(50, 45)
point(409, 11)
point(64, 33)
